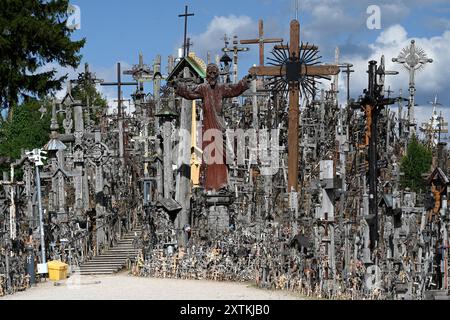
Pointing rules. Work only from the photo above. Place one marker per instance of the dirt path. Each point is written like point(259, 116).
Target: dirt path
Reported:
point(124, 287)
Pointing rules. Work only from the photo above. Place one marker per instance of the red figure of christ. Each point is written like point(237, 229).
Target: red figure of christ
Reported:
point(212, 93)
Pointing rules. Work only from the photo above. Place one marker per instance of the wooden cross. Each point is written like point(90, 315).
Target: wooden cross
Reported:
point(119, 85)
point(293, 69)
point(140, 72)
point(261, 41)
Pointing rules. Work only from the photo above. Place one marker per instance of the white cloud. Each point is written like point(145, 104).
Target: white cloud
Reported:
point(429, 81)
point(441, 23)
point(329, 21)
point(392, 36)
point(210, 40)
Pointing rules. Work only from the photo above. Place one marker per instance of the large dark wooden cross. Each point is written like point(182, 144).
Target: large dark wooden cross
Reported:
point(293, 70)
point(185, 41)
point(261, 41)
point(120, 117)
point(119, 85)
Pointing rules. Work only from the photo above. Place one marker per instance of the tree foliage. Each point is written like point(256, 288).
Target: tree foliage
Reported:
point(87, 93)
point(416, 162)
point(33, 33)
point(28, 129)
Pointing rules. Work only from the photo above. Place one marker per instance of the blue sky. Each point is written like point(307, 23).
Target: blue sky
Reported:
point(117, 30)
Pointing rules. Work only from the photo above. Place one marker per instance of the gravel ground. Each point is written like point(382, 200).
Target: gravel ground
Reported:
point(124, 287)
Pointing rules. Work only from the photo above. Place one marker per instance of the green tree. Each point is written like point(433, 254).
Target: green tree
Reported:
point(28, 129)
point(33, 33)
point(87, 93)
point(416, 162)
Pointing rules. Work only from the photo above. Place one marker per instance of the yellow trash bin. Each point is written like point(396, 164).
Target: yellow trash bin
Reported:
point(57, 270)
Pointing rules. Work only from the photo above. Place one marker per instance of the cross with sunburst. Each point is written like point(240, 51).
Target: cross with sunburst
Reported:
point(413, 59)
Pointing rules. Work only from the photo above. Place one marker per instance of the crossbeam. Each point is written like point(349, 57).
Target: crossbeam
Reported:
point(322, 70)
point(261, 41)
point(302, 47)
point(119, 85)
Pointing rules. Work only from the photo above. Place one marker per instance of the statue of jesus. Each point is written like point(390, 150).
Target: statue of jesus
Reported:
point(212, 93)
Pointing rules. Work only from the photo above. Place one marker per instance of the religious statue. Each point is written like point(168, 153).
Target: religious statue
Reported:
point(212, 93)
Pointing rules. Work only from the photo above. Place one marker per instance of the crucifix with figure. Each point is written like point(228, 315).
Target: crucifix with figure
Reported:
point(212, 93)
point(293, 69)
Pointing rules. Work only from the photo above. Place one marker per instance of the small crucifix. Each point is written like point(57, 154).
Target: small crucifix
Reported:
point(140, 72)
point(235, 49)
point(293, 70)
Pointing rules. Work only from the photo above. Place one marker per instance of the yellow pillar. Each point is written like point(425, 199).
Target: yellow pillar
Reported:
point(195, 161)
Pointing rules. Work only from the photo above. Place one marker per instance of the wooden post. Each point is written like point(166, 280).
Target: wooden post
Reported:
point(293, 113)
point(156, 92)
point(183, 181)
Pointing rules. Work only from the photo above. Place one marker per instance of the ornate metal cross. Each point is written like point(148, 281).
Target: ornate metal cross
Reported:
point(413, 59)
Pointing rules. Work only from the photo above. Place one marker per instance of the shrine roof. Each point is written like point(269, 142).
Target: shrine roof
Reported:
point(439, 174)
point(192, 64)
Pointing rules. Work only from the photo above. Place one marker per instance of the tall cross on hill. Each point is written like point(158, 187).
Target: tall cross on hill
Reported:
point(185, 42)
point(293, 69)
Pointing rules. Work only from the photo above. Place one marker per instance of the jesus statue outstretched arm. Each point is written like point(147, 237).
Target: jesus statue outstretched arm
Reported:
point(234, 90)
point(188, 93)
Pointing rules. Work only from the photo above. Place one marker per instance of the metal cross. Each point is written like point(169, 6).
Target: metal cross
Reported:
point(188, 45)
point(347, 69)
point(185, 15)
point(413, 59)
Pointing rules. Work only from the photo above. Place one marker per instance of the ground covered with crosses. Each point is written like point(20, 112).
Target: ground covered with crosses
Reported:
point(319, 198)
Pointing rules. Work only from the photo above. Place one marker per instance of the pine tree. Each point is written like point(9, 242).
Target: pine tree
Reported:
point(33, 33)
point(87, 93)
point(416, 162)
